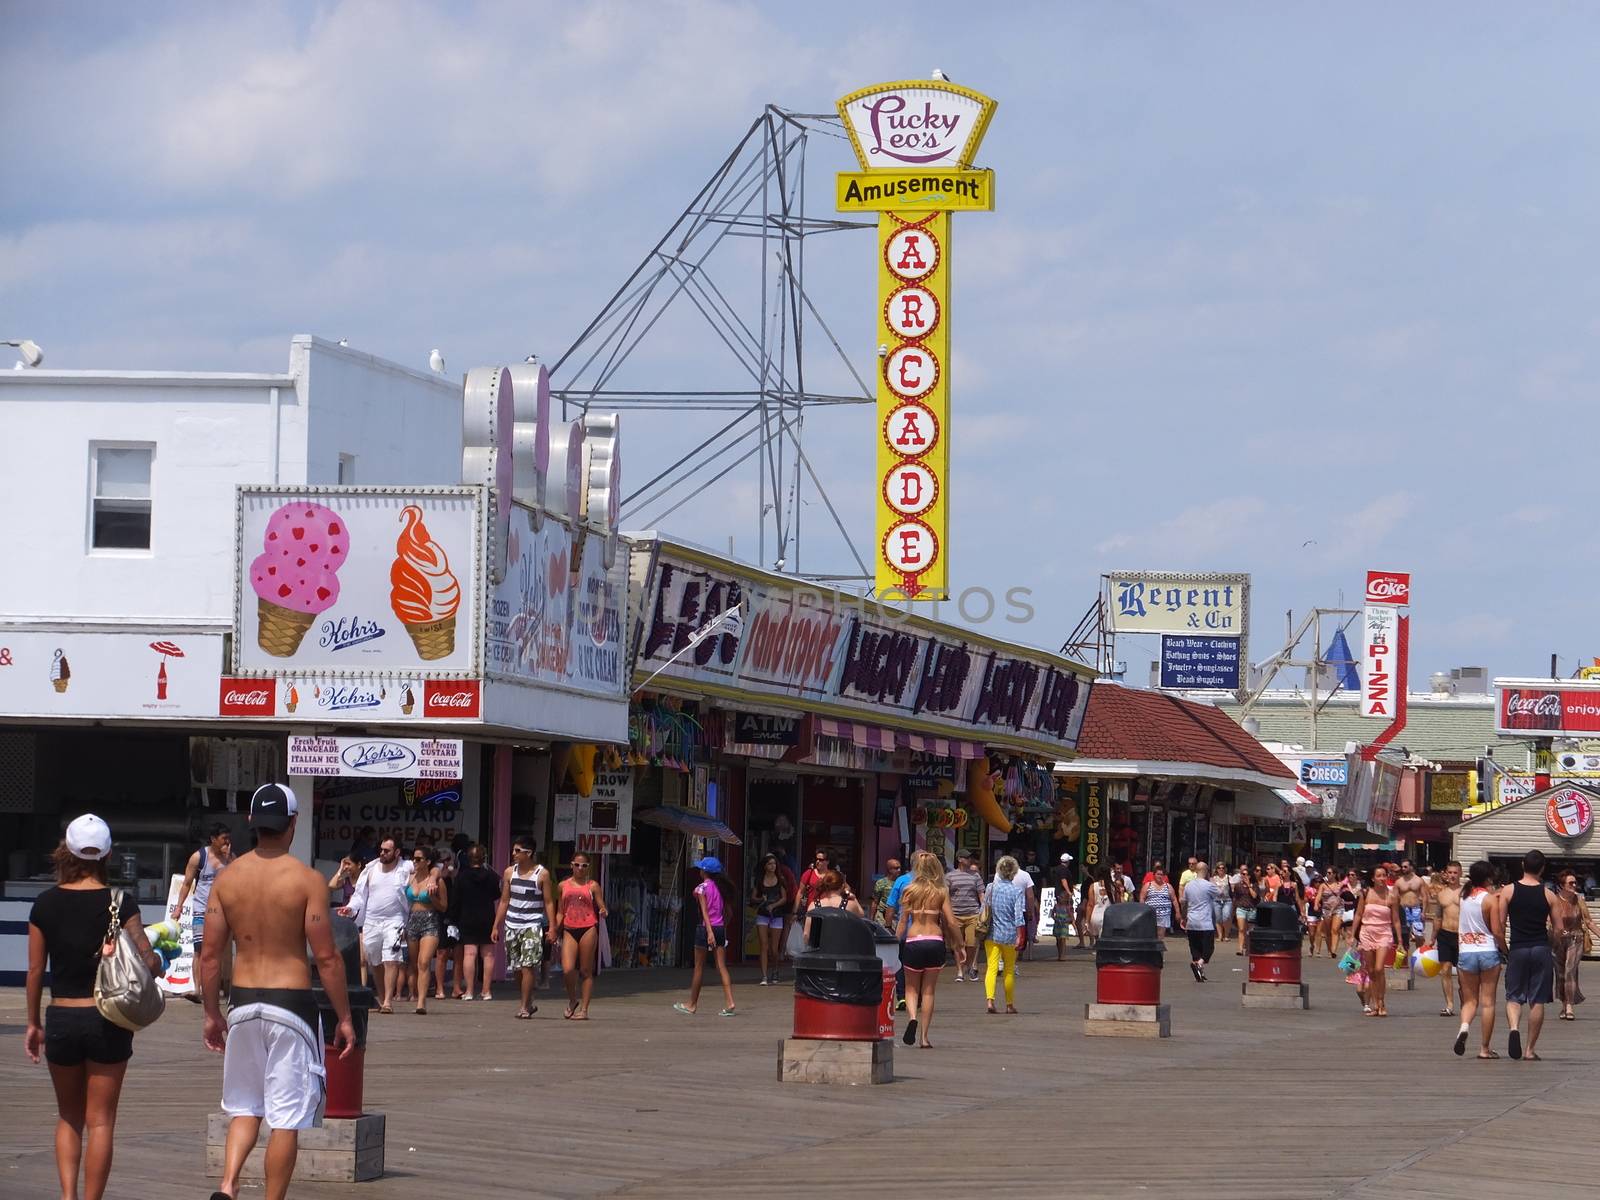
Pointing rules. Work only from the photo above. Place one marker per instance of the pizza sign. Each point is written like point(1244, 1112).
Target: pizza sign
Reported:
point(1568, 813)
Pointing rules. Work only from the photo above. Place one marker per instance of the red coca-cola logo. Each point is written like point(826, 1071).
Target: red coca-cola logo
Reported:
point(1537, 709)
point(1388, 587)
point(1538, 704)
point(246, 698)
point(453, 698)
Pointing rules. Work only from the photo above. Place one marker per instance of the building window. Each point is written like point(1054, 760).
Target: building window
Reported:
point(347, 468)
point(120, 496)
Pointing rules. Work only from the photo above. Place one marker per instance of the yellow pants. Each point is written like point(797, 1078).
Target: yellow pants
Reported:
point(997, 956)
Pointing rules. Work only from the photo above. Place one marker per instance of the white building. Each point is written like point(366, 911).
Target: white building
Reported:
point(122, 690)
point(127, 477)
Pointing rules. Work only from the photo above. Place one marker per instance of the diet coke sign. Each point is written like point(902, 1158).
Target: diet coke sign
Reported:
point(916, 124)
point(1388, 587)
point(453, 699)
point(246, 697)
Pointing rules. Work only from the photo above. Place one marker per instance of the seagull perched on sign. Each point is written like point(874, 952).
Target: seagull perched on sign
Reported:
point(532, 358)
point(940, 75)
point(436, 362)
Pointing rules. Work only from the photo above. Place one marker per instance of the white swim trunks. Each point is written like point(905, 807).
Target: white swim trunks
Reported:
point(384, 941)
point(272, 1065)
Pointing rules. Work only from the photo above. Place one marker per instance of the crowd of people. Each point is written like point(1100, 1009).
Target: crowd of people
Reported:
point(430, 920)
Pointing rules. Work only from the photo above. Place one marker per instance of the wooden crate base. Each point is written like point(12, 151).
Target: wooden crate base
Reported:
point(817, 1060)
point(1127, 1020)
point(344, 1150)
point(1276, 995)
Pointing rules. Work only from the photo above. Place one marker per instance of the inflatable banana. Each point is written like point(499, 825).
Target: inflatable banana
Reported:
point(581, 768)
point(980, 794)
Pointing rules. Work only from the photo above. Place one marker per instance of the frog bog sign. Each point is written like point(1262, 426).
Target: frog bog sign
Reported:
point(915, 142)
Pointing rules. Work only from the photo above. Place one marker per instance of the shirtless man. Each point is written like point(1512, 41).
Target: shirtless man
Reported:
point(271, 907)
point(1447, 936)
point(1411, 888)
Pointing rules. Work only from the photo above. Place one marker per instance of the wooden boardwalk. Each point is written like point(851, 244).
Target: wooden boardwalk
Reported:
point(644, 1102)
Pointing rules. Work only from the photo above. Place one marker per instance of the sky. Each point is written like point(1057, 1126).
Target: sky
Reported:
point(1291, 290)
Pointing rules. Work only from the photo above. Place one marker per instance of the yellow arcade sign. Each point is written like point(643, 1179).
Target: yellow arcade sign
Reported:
point(915, 141)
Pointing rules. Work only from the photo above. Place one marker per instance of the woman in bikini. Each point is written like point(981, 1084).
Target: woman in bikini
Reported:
point(927, 926)
point(1377, 926)
point(831, 892)
point(427, 894)
point(579, 911)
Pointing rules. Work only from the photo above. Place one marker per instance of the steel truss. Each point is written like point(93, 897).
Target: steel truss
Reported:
point(759, 192)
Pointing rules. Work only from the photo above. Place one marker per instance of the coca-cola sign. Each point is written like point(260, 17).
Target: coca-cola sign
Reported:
point(246, 697)
point(1527, 707)
point(1388, 587)
point(454, 699)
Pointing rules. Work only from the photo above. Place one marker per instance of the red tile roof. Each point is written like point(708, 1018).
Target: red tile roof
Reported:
point(1143, 726)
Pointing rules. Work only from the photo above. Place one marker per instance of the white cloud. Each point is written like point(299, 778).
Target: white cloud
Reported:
point(1225, 525)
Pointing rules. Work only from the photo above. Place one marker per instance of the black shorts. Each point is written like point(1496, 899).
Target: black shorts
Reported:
point(717, 932)
point(1448, 943)
point(1530, 974)
point(73, 1036)
point(925, 955)
point(1202, 944)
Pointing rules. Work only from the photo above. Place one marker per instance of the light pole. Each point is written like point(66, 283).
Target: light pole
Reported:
point(32, 356)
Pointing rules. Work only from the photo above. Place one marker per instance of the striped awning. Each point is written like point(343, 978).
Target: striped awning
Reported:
point(876, 737)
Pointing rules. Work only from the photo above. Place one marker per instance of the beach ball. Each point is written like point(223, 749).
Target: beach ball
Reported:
point(1427, 961)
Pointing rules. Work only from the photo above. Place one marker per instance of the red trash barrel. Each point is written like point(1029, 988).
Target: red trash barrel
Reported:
point(1128, 956)
point(346, 1080)
point(1275, 966)
point(1129, 984)
point(1274, 944)
point(839, 984)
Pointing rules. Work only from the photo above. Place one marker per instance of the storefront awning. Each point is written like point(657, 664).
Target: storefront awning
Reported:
point(686, 820)
point(876, 737)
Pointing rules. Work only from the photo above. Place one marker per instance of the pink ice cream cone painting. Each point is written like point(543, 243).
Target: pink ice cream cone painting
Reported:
point(423, 592)
point(296, 575)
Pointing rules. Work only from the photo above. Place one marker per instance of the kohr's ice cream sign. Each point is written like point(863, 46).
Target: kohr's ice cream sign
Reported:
point(915, 142)
point(358, 581)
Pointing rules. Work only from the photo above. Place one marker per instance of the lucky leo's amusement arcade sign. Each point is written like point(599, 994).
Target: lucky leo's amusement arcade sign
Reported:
point(920, 137)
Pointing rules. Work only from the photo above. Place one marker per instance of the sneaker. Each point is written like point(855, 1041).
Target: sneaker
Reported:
point(960, 977)
point(765, 982)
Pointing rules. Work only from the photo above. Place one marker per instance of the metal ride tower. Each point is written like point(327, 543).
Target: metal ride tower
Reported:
point(758, 194)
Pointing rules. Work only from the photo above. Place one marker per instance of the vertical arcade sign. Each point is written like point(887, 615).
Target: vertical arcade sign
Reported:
point(915, 142)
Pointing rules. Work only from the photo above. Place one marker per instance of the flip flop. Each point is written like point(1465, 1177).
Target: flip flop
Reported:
point(1530, 1056)
point(571, 1008)
point(1460, 1046)
point(728, 1012)
point(524, 1016)
point(910, 1035)
point(1490, 1054)
point(1447, 1012)
point(678, 1007)
point(1514, 1044)
point(1012, 1011)
point(580, 1016)
point(386, 1010)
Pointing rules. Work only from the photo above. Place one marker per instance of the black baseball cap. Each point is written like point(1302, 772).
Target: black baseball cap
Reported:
point(272, 808)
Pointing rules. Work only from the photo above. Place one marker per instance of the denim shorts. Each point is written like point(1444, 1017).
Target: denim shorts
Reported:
point(1478, 960)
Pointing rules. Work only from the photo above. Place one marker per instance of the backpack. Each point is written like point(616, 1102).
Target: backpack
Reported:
point(125, 990)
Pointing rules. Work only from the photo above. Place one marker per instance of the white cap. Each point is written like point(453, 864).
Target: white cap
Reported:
point(1299, 862)
point(1066, 858)
point(89, 837)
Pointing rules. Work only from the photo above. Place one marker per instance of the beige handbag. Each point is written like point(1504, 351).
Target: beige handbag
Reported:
point(125, 990)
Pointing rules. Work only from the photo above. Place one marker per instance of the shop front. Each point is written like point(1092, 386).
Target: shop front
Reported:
point(1558, 821)
point(1160, 778)
point(832, 725)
